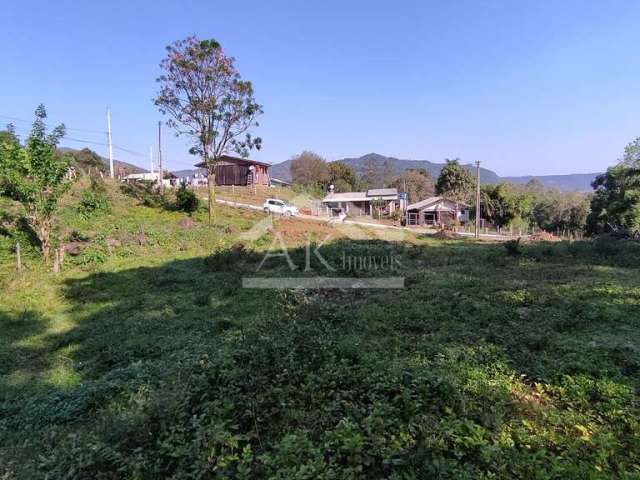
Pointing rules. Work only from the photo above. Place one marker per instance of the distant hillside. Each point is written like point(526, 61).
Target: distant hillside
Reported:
point(117, 164)
point(572, 182)
point(395, 166)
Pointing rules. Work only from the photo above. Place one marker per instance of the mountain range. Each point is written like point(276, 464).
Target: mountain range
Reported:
point(395, 166)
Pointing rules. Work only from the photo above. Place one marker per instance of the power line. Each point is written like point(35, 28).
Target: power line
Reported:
point(93, 142)
point(15, 119)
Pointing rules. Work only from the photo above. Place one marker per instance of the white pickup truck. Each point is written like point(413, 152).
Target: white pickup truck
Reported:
point(273, 205)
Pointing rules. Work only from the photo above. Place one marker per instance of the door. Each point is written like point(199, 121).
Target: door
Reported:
point(429, 218)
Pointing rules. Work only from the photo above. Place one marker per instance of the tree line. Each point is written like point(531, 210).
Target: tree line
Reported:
point(613, 206)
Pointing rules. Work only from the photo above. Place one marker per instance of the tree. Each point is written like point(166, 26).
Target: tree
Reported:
point(506, 204)
point(207, 100)
point(555, 210)
point(87, 160)
point(35, 176)
point(455, 182)
point(342, 176)
point(9, 135)
point(417, 183)
point(309, 169)
point(616, 202)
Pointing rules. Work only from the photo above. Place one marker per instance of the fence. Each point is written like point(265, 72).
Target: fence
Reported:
point(564, 234)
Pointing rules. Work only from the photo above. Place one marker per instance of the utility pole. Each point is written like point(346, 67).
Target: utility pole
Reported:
point(109, 141)
point(478, 199)
point(151, 159)
point(160, 173)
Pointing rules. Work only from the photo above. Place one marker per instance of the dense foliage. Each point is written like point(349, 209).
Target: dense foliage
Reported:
point(342, 177)
point(87, 161)
point(416, 183)
point(616, 203)
point(94, 200)
point(35, 176)
point(186, 200)
point(455, 182)
point(309, 169)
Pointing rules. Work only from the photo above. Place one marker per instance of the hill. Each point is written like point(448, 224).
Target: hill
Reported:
point(573, 182)
point(117, 164)
point(570, 182)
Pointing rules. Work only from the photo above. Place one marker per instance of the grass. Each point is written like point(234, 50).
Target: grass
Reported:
point(152, 362)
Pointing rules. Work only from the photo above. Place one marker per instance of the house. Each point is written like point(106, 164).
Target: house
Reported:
point(139, 177)
point(169, 180)
point(437, 211)
point(382, 200)
point(240, 171)
point(194, 178)
point(276, 182)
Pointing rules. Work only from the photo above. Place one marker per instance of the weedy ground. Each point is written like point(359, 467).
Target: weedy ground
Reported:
point(144, 358)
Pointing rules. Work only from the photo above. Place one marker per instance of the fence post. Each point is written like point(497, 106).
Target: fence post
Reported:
point(56, 261)
point(18, 258)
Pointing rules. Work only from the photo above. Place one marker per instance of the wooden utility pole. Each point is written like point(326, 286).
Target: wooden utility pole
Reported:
point(160, 172)
point(110, 143)
point(478, 199)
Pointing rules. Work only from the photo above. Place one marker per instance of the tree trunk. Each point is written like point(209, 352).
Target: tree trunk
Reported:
point(212, 193)
point(43, 230)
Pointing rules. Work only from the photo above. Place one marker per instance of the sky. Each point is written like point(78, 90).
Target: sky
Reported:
point(526, 87)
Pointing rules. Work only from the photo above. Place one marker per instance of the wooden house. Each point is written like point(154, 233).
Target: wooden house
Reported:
point(240, 171)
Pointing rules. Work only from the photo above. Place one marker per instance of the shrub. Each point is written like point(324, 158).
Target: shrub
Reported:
point(146, 192)
point(513, 247)
point(186, 200)
point(92, 202)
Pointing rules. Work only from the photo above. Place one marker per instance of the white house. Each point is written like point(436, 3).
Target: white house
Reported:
point(437, 211)
point(384, 200)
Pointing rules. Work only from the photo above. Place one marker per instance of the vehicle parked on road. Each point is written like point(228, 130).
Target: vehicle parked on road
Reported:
point(273, 205)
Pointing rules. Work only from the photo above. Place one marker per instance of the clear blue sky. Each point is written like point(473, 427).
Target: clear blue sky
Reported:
point(527, 87)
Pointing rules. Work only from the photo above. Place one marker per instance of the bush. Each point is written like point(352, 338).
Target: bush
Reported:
point(513, 247)
point(91, 203)
point(94, 200)
point(186, 200)
point(146, 192)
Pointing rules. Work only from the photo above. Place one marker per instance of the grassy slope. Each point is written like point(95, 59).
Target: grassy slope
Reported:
point(152, 362)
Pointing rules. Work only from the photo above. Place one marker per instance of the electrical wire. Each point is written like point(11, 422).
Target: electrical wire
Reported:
point(25, 131)
point(15, 119)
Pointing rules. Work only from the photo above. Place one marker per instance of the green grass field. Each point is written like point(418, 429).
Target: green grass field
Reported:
point(144, 358)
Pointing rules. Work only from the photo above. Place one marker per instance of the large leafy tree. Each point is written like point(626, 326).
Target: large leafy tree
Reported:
point(203, 93)
point(455, 182)
point(503, 204)
point(309, 169)
point(616, 202)
point(342, 176)
point(35, 176)
point(417, 183)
